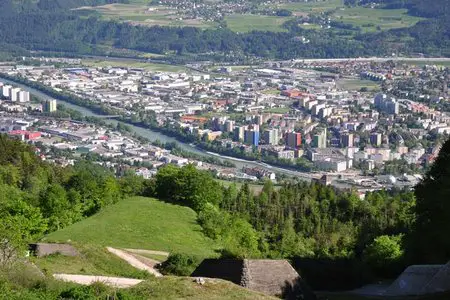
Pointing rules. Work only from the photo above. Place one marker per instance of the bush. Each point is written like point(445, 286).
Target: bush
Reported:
point(179, 265)
point(385, 255)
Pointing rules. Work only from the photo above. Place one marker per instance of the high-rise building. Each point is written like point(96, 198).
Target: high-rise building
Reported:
point(293, 139)
point(376, 138)
point(50, 105)
point(259, 119)
point(320, 139)
point(229, 126)
point(347, 140)
point(239, 133)
point(24, 96)
point(6, 91)
point(270, 136)
point(251, 137)
point(15, 94)
point(386, 104)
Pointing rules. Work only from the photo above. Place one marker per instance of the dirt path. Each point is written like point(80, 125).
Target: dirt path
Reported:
point(119, 282)
point(133, 261)
point(143, 251)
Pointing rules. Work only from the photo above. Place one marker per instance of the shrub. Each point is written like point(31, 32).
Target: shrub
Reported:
point(179, 265)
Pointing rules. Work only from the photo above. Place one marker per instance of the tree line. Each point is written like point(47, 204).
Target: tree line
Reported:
point(37, 197)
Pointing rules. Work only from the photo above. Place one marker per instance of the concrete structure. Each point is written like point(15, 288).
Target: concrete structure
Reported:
point(347, 140)
point(24, 96)
point(270, 136)
point(320, 140)
point(251, 137)
point(386, 104)
point(272, 277)
point(50, 105)
point(375, 139)
point(44, 249)
point(6, 91)
point(14, 97)
point(229, 126)
point(293, 139)
point(239, 133)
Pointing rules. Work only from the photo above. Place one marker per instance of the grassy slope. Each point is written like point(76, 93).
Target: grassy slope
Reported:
point(142, 223)
point(92, 261)
point(25, 284)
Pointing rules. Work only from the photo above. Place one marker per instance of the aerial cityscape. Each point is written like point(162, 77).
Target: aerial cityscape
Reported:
point(183, 149)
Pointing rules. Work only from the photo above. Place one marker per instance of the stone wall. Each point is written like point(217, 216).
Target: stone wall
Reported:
point(44, 249)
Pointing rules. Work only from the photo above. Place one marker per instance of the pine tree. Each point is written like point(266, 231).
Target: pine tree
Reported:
point(430, 239)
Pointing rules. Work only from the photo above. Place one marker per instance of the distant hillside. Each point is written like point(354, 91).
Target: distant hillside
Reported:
point(49, 25)
point(142, 223)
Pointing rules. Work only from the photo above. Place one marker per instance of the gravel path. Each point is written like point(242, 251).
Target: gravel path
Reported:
point(133, 261)
point(119, 282)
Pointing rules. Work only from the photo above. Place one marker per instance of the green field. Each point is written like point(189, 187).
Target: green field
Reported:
point(369, 19)
point(141, 223)
point(278, 110)
point(312, 7)
point(247, 23)
point(356, 84)
point(151, 67)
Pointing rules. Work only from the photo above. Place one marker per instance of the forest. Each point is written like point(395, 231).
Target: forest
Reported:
point(37, 27)
point(37, 197)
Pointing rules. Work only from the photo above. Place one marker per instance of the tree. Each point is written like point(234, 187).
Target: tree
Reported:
point(429, 241)
point(13, 242)
point(384, 250)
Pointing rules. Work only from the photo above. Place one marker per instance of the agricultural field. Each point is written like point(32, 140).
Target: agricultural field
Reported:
point(141, 14)
point(370, 19)
point(151, 67)
point(305, 8)
point(141, 223)
point(246, 23)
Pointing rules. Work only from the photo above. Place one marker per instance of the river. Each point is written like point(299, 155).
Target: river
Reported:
point(154, 135)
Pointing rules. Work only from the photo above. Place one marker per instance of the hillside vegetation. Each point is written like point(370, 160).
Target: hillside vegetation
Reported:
point(359, 33)
point(142, 223)
point(23, 283)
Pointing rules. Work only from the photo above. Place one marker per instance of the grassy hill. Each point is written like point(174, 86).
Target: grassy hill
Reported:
point(142, 223)
point(24, 283)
